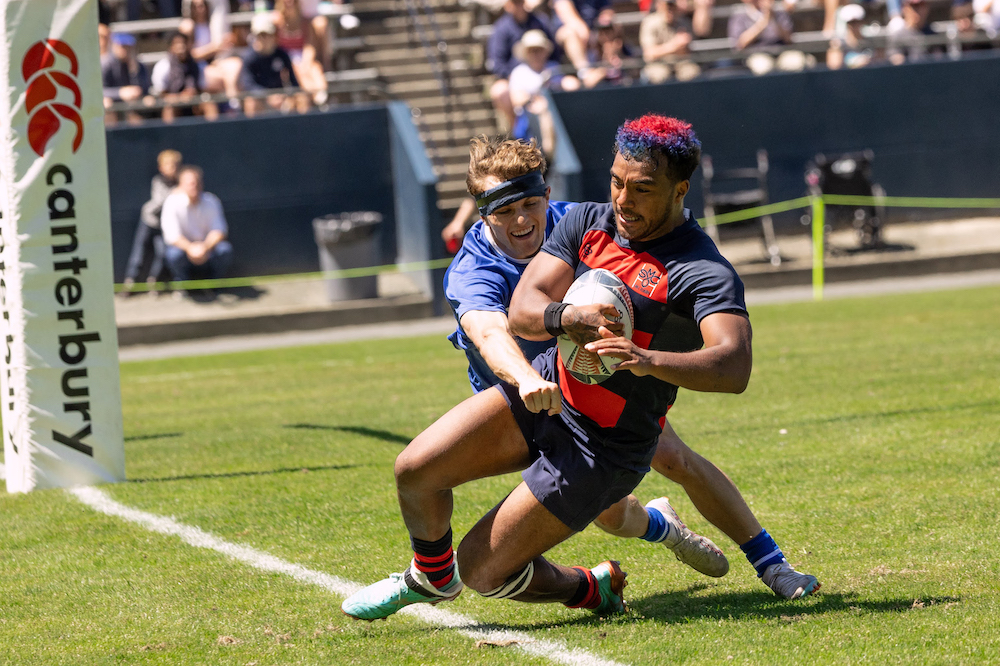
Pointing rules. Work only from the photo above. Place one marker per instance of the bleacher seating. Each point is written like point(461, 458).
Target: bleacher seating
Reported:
point(431, 54)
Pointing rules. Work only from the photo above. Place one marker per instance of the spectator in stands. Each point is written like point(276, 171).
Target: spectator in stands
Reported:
point(147, 246)
point(269, 67)
point(664, 36)
point(849, 48)
point(103, 42)
point(609, 52)
point(176, 79)
point(125, 79)
point(507, 31)
point(967, 34)
point(296, 37)
point(320, 26)
point(207, 30)
point(907, 33)
point(216, 45)
point(218, 17)
point(573, 22)
point(758, 23)
point(536, 73)
point(223, 73)
point(195, 230)
point(701, 15)
point(987, 16)
point(699, 12)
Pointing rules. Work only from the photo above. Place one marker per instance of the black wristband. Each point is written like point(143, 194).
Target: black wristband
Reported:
point(553, 318)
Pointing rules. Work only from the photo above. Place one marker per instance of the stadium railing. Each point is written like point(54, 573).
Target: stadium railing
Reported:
point(360, 84)
point(144, 26)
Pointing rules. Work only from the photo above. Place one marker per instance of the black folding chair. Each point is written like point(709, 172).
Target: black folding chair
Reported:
point(730, 190)
point(849, 174)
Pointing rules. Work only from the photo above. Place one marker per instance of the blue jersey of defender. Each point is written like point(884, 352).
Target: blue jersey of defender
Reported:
point(482, 278)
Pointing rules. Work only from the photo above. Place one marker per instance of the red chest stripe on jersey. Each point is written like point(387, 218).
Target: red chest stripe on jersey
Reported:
point(642, 339)
point(640, 271)
point(599, 404)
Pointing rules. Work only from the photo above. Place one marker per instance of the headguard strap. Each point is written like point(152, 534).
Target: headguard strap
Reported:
point(531, 184)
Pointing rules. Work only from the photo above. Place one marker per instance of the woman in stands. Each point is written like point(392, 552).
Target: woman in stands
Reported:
point(296, 36)
point(206, 23)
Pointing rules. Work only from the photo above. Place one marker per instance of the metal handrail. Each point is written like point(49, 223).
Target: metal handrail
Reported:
point(238, 18)
point(372, 86)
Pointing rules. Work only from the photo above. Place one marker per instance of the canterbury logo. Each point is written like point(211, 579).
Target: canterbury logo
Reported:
point(43, 87)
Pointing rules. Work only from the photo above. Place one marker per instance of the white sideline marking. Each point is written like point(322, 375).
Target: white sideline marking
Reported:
point(467, 626)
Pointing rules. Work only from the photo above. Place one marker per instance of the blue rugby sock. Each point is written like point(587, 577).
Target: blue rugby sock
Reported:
point(762, 552)
point(658, 528)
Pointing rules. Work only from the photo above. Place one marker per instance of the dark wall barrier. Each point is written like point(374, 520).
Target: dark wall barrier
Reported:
point(416, 204)
point(934, 126)
point(273, 175)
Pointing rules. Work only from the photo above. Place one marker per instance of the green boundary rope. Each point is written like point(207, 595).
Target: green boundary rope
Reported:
point(817, 205)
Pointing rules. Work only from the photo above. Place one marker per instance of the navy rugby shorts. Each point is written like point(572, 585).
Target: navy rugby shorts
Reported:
point(570, 477)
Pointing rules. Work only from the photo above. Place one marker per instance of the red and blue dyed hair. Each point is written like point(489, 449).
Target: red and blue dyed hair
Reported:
point(645, 139)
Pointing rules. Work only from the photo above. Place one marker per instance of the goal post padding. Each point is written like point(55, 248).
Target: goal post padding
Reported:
point(61, 397)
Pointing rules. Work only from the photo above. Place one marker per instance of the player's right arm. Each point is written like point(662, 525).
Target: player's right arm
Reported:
point(544, 282)
point(490, 332)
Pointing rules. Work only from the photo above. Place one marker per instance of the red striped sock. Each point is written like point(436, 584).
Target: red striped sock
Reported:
point(440, 570)
point(435, 560)
point(587, 595)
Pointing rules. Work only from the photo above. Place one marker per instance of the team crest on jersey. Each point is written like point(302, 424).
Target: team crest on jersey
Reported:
point(646, 280)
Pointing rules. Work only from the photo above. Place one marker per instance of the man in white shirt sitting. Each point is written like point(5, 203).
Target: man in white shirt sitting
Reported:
point(194, 230)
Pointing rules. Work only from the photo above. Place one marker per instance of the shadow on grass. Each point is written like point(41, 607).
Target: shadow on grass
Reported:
point(937, 409)
point(384, 435)
point(681, 607)
point(228, 475)
point(162, 435)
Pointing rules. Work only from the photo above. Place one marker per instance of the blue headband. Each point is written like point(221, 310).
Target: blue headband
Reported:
point(531, 184)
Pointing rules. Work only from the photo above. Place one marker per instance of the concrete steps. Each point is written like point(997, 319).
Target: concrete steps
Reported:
point(392, 41)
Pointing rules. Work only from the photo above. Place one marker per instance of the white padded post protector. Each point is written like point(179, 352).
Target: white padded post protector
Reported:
point(60, 397)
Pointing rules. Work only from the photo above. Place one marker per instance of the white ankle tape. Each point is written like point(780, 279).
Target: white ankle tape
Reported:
point(514, 585)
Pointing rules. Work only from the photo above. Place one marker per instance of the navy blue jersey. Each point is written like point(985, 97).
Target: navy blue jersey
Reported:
point(481, 277)
point(674, 281)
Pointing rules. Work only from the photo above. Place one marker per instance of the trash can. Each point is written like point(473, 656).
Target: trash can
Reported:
point(349, 240)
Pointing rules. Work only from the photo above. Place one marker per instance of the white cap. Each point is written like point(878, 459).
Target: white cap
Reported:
point(262, 22)
point(529, 40)
point(852, 12)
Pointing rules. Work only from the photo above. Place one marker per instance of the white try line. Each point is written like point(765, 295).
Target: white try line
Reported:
point(467, 626)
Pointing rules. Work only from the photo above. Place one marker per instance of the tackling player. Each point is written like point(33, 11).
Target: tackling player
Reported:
point(505, 176)
point(479, 284)
point(584, 459)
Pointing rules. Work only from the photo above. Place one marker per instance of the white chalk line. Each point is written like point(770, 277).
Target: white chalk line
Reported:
point(467, 626)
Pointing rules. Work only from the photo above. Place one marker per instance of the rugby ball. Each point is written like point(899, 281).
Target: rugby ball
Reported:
point(595, 286)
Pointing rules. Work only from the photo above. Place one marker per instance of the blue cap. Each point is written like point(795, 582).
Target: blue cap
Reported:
point(123, 39)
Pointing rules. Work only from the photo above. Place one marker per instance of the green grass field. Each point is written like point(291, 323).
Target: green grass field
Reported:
point(868, 444)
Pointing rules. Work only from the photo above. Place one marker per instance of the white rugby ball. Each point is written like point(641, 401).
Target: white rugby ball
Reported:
point(595, 286)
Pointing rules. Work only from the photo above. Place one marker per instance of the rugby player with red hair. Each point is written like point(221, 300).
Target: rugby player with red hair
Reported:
point(692, 330)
